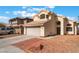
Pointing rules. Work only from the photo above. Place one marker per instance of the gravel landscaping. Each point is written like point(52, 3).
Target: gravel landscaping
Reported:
point(59, 44)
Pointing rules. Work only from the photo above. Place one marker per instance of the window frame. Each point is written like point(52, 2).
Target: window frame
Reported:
point(42, 16)
point(68, 28)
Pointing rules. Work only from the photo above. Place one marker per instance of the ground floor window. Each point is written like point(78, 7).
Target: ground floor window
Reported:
point(68, 28)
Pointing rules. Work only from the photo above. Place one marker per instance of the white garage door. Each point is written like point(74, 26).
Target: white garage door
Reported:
point(33, 31)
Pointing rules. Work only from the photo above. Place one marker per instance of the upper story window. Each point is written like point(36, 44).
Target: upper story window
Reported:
point(68, 24)
point(58, 23)
point(42, 16)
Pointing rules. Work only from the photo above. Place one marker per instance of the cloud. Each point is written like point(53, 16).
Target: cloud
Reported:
point(73, 18)
point(59, 15)
point(7, 12)
point(23, 13)
point(38, 9)
point(29, 14)
point(19, 12)
point(4, 19)
point(43, 8)
point(24, 7)
point(29, 11)
point(51, 7)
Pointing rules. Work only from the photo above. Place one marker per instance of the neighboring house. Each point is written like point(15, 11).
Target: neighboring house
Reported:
point(47, 23)
point(44, 23)
point(18, 23)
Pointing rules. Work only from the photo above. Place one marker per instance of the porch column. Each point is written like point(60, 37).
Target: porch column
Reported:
point(62, 27)
point(75, 30)
point(24, 30)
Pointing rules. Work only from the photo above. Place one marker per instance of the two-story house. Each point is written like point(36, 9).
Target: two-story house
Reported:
point(47, 23)
point(44, 23)
point(18, 23)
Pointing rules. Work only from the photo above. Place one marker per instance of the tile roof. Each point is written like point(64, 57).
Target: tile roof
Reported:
point(35, 23)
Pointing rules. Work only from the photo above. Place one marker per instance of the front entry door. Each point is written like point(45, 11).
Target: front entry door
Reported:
point(58, 30)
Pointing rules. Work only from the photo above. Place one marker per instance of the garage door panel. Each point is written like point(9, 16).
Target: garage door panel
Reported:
point(33, 31)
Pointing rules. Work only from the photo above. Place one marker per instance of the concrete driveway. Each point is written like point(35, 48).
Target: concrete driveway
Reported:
point(8, 35)
point(11, 49)
point(6, 47)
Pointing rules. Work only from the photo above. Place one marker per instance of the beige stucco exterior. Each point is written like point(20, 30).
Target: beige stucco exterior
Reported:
point(47, 23)
point(50, 27)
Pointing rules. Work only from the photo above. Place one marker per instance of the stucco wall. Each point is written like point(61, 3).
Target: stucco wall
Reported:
point(51, 27)
point(72, 25)
point(42, 31)
point(36, 19)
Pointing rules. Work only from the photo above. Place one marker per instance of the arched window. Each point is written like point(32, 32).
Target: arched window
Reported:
point(42, 16)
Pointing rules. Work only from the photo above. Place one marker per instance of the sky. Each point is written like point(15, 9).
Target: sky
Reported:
point(8, 12)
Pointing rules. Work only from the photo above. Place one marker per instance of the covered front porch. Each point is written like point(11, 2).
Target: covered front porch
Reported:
point(65, 28)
